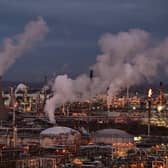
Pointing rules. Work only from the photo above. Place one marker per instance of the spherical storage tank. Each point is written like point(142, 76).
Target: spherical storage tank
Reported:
point(57, 136)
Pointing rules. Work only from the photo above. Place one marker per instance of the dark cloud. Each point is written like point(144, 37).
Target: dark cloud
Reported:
point(75, 27)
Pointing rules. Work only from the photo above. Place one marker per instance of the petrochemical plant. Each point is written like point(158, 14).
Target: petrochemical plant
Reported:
point(130, 132)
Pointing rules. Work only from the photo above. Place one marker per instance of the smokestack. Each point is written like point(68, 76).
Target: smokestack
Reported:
point(67, 110)
point(14, 136)
point(149, 109)
point(13, 98)
point(25, 95)
point(91, 74)
point(161, 96)
point(8, 138)
point(63, 109)
point(38, 104)
point(127, 96)
point(3, 110)
point(45, 80)
point(127, 92)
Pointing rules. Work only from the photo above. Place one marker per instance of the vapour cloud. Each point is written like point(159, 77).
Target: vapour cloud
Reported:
point(127, 58)
point(21, 87)
point(13, 48)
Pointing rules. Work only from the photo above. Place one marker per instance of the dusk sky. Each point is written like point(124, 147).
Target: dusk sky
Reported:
point(75, 27)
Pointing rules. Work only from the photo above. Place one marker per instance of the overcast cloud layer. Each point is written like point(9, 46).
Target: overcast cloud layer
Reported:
point(75, 27)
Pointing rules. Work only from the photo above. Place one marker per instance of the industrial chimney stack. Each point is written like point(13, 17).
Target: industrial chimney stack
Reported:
point(161, 95)
point(3, 110)
point(91, 74)
point(13, 98)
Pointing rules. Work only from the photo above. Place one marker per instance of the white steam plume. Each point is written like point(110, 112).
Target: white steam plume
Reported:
point(15, 47)
point(21, 87)
point(127, 58)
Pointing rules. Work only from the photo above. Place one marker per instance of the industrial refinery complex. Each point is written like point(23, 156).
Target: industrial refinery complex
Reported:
point(130, 132)
point(113, 116)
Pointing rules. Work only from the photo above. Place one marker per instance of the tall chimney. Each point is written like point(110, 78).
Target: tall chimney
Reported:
point(13, 98)
point(3, 110)
point(40, 105)
point(45, 80)
point(14, 136)
point(127, 93)
point(161, 95)
point(149, 110)
point(91, 74)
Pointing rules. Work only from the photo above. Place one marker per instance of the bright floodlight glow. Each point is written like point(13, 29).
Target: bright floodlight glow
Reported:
point(150, 92)
point(160, 108)
point(137, 138)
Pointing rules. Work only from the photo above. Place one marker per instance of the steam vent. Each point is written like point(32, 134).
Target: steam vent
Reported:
point(3, 110)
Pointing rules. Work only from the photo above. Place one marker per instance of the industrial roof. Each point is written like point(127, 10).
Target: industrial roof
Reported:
point(58, 130)
point(113, 133)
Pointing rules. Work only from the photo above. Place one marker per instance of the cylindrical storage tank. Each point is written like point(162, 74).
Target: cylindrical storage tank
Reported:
point(60, 136)
point(112, 136)
point(119, 139)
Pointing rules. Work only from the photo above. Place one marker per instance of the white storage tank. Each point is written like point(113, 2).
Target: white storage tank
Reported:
point(119, 139)
point(113, 136)
point(56, 136)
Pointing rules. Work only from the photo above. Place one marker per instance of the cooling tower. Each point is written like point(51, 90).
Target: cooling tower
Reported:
point(3, 110)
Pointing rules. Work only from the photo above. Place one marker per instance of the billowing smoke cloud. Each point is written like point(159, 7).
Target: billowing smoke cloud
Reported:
point(15, 47)
point(127, 58)
point(21, 87)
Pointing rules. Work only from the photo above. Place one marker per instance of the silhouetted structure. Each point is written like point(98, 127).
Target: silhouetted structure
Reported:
point(3, 110)
point(91, 74)
point(161, 96)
